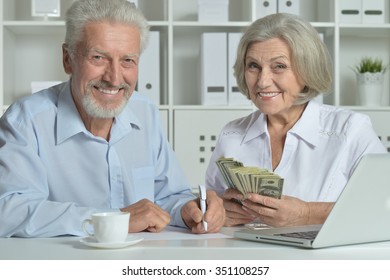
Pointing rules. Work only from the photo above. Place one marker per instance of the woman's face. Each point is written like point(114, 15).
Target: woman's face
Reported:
point(273, 85)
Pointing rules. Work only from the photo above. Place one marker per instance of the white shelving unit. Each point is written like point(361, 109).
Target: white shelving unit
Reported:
point(31, 51)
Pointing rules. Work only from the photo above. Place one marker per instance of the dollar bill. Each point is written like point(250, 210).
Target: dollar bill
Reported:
point(250, 179)
point(224, 165)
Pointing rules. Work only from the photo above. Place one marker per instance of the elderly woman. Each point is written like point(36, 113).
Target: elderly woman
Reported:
point(281, 66)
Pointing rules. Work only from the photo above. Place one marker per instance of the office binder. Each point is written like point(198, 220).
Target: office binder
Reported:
point(214, 68)
point(213, 10)
point(46, 8)
point(266, 7)
point(350, 11)
point(373, 11)
point(288, 6)
point(149, 68)
point(235, 97)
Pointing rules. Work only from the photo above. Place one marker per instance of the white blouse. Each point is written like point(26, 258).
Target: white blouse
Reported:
point(320, 153)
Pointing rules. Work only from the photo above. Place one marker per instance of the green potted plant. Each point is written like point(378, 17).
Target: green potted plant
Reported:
point(370, 75)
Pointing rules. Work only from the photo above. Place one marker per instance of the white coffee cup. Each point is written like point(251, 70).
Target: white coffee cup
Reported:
point(108, 227)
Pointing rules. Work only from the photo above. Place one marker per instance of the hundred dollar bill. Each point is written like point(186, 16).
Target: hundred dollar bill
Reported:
point(241, 177)
point(224, 164)
point(249, 179)
point(270, 186)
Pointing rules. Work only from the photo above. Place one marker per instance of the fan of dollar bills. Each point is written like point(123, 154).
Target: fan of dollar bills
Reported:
point(248, 179)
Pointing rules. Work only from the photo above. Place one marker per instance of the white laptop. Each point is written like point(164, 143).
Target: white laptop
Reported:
point(360, 215)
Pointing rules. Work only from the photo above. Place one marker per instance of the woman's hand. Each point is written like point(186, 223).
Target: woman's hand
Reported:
point(287, 211)
point(235, 214)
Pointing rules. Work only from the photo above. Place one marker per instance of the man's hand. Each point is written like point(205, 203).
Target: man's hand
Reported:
point(145, 215)
point(214, 216)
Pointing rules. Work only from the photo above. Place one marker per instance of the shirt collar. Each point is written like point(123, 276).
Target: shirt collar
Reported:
point(308, 125)
point(124, 123)
point(69, 122)
point(303, 128)
point(257, 126)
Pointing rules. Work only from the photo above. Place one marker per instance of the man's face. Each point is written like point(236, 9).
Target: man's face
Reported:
point(104, 69)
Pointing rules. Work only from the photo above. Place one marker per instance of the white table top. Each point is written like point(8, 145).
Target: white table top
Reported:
point(70, 248)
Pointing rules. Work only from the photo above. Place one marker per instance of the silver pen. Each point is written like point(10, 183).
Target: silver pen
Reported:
point(203, 196)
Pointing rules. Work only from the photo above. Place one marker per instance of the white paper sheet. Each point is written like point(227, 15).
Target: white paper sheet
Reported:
point(177, 233)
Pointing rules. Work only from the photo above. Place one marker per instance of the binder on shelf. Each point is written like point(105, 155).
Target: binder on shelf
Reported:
point(46, 8)
point(326, 11)
point(373, 11)
point(235, 97)
point(149, 68)
point(266, 7)
point(350, 11)
point(213, 10)
point(288, 6)
point(214, 68)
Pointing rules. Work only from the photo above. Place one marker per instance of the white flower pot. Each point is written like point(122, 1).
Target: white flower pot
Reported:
point(370, 88)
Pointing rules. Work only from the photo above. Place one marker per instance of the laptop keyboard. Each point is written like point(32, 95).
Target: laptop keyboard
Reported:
point(305, 234)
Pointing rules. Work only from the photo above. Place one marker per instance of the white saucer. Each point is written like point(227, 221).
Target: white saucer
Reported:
point(91, 242)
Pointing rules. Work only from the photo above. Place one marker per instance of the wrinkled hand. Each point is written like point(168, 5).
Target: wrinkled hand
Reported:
point(287, 211)
point(235, 214)
point(145, 215)
point(214, 216)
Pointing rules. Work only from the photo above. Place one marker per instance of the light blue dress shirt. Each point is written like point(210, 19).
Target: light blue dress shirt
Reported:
point(54, 173)
point(320, 153)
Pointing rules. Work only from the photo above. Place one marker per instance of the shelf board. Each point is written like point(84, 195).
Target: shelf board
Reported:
point(236, 24)
point(212, 107)
point(27, 23)
point(323, 24)
point(250, 108)
point(360, 30)
point(369, 26)
point(21, 23)
point(34, 27)
point(163, 107)
point(41, 27)
point(367, 108)
point(208, 24)
point(59, 23)
point(158, 23)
